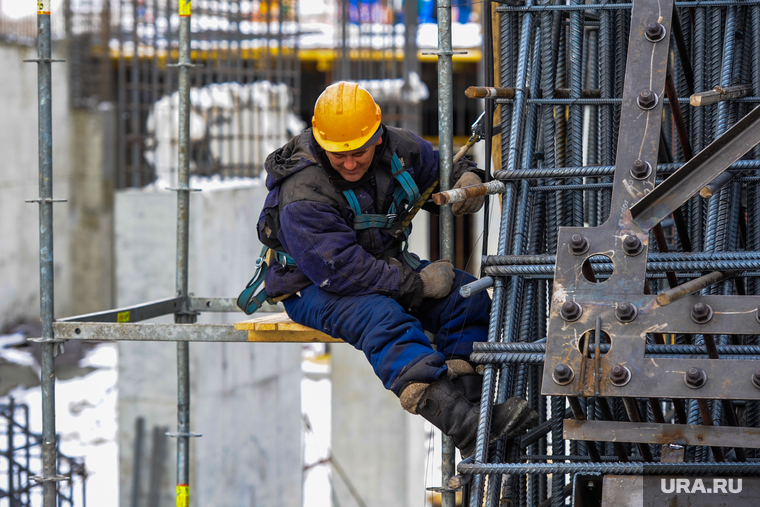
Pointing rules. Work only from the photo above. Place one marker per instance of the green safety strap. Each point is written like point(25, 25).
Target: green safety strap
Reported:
point(405, 194)
point(254, 294)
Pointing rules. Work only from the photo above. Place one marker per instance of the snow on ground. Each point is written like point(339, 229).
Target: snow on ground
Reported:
point(316, 402)
point(86, 422)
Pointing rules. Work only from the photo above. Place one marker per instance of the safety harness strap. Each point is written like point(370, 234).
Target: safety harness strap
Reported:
point(254, 295)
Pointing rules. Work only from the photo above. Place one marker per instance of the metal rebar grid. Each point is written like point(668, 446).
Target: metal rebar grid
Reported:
point(248, 84)
point(583, 163)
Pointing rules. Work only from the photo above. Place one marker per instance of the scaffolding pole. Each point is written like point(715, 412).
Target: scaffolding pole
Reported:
point(446, 162)
point(45, 201)
point(184, 315)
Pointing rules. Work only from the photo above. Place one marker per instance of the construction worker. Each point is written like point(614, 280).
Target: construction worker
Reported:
point(339, 194)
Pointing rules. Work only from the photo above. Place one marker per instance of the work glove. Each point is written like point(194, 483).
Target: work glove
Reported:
point(473, 204)
point(437, 279)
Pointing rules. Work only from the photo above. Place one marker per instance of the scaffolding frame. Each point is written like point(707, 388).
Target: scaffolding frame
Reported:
point(121, 324)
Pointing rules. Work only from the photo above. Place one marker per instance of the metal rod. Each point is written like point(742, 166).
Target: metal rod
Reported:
point(728, 406)
point(620, 6)
point(683, 290)
point(719, 94)
point(446, 218)
point(49, 347)
point(183, 226)
point(464, 193)
point(134, 501)
point(477, 286)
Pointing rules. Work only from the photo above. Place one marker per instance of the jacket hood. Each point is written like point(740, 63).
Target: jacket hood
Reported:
point(288, 160)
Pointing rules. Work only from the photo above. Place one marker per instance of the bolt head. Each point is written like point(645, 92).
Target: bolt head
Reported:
point(647, 99)
point(626, 312)
point(620, 375)
point(578, 244)
point(563, 374)
point(641, 169)
point(632, 246)
point(695, 377)
point(756, 379)
point(571, 310)
point(701, 313)
point(654, 31)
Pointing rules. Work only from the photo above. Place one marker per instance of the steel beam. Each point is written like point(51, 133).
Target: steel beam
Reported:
point(706, 165)
point(654, 433)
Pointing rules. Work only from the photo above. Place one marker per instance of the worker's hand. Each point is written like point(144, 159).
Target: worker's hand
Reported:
point(437, 279)
point(472, 205)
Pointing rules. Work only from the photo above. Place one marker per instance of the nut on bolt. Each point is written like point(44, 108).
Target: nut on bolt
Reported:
point(756, 379)
point(571, 311)
point(641, 169)
point(695, 377)
point(620, 375)
point(578, 244)
point(655, 32)
point(632, 246)
point(562, 374)
point(701, 313)
point(647, 99)
point(626, 312)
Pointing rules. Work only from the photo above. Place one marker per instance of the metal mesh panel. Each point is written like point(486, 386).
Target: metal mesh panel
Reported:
point(245, 79)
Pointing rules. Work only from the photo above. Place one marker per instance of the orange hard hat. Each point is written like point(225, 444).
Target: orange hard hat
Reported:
point(345, 117)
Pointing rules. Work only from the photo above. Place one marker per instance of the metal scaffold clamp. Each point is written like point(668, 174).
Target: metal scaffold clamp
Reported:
point(46, 201)
point(177, 434)
point(445, 53)
point(185, 65)
point(55, 478)
point(44, 60)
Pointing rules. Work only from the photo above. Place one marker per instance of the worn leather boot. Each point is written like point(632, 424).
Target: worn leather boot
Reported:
point(446, 407)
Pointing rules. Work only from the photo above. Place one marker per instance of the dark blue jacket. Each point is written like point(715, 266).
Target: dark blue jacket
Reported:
point(307, 216)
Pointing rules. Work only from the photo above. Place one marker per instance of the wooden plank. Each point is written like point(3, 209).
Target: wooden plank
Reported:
point(278, 328)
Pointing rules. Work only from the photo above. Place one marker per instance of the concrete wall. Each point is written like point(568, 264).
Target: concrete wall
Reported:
point(19, 225)
point(380, 447)
point(81, 172)
point(245, 399)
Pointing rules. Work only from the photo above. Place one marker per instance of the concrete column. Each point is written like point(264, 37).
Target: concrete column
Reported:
point(246, 397)
point(379, 446)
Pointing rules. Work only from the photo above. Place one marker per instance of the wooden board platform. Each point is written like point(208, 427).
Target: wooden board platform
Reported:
point(278, 328)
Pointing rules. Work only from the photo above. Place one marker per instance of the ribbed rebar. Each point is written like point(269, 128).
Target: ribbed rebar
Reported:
point(650, 468)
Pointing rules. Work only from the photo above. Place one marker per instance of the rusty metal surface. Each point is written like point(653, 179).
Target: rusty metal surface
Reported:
point(645, 70)
point(623, 491)
point(655, 433)
point(624, 239)
point(698, 172)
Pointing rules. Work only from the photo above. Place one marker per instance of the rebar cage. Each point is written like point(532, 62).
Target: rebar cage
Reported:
point(607, 234)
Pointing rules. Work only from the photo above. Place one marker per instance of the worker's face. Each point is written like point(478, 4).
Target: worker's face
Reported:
point(352, 165)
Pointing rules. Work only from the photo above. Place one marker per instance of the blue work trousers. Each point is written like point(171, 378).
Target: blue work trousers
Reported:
point(393, 339)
